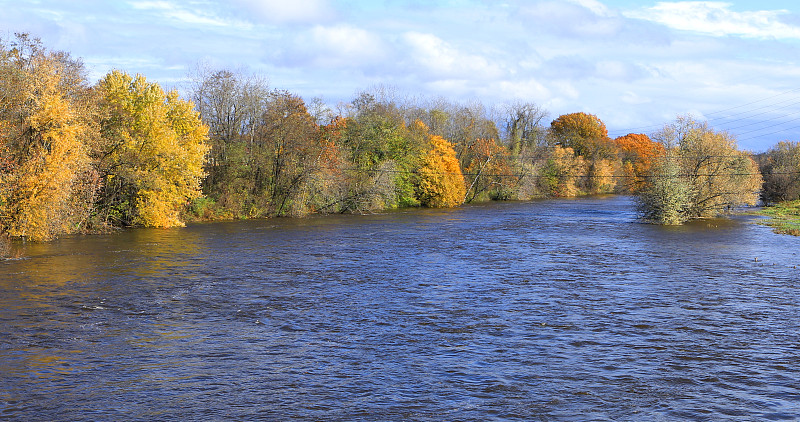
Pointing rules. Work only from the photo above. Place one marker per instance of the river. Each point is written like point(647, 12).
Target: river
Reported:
point(548, 310)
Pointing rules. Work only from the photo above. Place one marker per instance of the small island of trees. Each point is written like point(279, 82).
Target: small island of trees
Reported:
point(77, 157)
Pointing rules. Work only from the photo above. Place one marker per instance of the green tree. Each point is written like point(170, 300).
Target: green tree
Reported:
point(382, 151)
point(151, 152)
point(232, 104)
point(780, 167)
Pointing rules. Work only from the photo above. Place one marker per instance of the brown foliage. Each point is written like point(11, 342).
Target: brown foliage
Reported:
point(488, 170)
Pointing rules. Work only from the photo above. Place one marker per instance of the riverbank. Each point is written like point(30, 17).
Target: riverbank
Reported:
point(784, 217)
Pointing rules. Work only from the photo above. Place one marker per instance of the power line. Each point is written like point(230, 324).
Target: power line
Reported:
point(756, 101)
point(746, 115)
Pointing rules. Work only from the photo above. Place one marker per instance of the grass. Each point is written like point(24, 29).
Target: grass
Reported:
point(784, 217)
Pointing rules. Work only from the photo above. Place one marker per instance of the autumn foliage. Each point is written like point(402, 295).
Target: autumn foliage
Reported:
point(702, 174)
point(44, 128)
point(80, 157)
point(585, 133)
point(441, 183)
point(780, 166)
point(75, 157)
point(638, 154)
point(151, 152)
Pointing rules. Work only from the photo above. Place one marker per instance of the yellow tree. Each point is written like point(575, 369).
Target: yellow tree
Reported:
point(441, 184)
point(44, 128)
point(151, 153)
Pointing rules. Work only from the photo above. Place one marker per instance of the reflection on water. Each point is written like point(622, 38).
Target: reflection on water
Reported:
point(551, 310)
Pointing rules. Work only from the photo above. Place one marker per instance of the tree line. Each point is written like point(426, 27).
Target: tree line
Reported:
point(81, 157)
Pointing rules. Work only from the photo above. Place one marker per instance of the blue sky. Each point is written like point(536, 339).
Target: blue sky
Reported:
point(635, 64)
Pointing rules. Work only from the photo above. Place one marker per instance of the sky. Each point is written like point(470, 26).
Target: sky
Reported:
point(637, 65)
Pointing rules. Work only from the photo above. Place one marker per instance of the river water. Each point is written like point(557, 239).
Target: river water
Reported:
point(552, 310)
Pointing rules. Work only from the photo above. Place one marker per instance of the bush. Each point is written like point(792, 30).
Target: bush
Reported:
point(665, 199)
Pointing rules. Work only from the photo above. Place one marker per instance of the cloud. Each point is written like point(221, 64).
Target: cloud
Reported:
point(717, 19)
point(575, 67)
point(439, 59)
point(618, 71)
point(595, 6)
point(633, 98)
point(578, 18)
point(287, 11)
point(527, 90)
point(339, 46)
point(177, 14)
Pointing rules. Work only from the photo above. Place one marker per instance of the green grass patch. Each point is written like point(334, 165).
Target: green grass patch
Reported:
point(784, 217)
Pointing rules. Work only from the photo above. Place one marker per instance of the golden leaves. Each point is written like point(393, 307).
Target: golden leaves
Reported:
point(41, 148)
point(155, 143)
point(441, 183)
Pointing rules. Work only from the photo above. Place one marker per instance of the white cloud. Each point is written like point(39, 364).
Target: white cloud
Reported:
point(528, 90)
point(288, 11)
point(633, 98)
point(441, 59)
point(618, 70)
point(574, 18)
point(717, 18)
point(595, 6)
point(565, 89)
point(177, 14)
point(347, 42)
point(335, 46)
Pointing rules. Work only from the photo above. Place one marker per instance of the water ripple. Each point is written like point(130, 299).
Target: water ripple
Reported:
point(552, 310)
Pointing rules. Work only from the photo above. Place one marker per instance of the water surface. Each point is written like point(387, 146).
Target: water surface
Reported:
point(551, 310)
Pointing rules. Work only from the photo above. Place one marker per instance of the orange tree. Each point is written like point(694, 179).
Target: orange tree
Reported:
point(638, 153)
point(488, 171)
point(587, 135)
point(440, 182)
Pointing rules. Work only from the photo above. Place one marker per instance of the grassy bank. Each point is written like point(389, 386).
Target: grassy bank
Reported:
point(784, 217)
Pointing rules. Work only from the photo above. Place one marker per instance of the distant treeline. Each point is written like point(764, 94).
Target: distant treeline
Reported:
point(81, 157)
